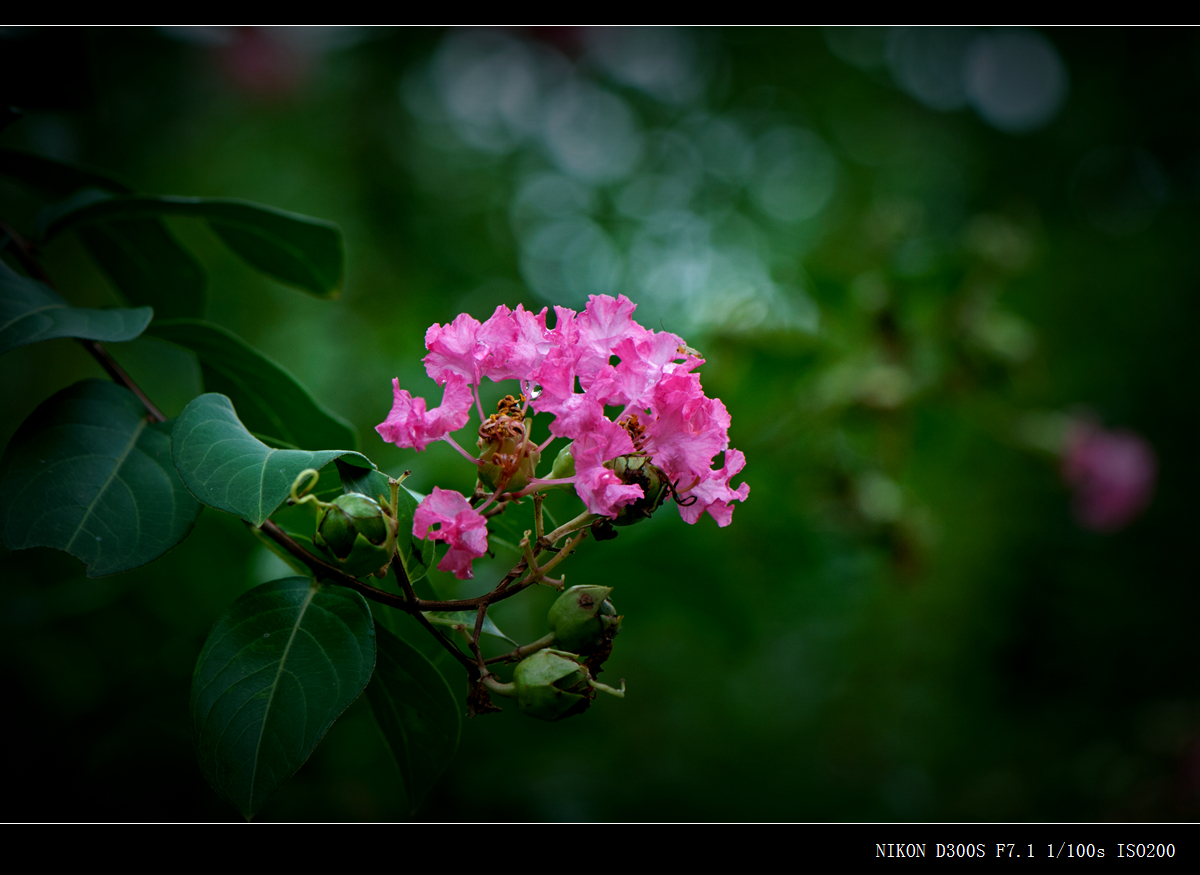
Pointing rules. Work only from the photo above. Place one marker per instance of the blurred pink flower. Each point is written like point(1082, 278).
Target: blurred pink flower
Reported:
point(263, 64)
point(1111, 473)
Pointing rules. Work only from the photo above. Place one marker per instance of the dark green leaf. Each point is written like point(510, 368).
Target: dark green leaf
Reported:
point(88, 473)
point(465, 621)
point(293, 249)
point(53, 176)
point(307, 256)
point(414, 554)
point(416, 711)
point(226, 467)
point(31, 311)
point(365, 481)
point(278, 668)
point(268, 399)
point(147, 265)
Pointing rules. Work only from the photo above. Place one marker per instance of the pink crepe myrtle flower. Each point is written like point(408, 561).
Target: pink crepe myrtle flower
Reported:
point(664, 413)
point(459, 525)
point(410, 425)
point(1111, 473)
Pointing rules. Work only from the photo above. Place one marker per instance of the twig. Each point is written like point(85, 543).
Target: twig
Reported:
point(118, 374)
point(411, 595)
point(564, 552)
point(480, 614)
point(324, 571)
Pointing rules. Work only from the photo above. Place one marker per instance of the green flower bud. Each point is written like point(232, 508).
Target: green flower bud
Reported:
point(564, 464)
point(553, 684)
point(584, 620)
point(350, 515)
point(354, 533)
point(638, 470)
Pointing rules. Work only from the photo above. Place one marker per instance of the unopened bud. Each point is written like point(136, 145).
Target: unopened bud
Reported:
point(564, 464)
point(553, 684)
point(353, 531)
point(584, 620)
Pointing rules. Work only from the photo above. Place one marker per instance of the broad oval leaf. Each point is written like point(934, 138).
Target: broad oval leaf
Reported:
point(297, 250)
point(416, 711)
point(31, 311)
point(268, 399)
point(278, 668)
point(140, 256)
point(147, 265)
point(88, 473)
point(226, 467)
point(416, 555)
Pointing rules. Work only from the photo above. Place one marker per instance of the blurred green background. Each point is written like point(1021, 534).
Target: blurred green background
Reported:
point(911, 259)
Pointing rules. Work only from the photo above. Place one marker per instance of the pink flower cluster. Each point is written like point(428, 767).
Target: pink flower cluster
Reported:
point(664, 413)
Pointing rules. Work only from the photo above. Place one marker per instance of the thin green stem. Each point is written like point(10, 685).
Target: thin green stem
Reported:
point(584, 519)
point(530, 558)
point(476, 634)
point(564, 552)
point(498, 687)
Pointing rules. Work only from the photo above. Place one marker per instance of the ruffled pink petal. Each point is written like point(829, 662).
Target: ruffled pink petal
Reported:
point(641, 366)
point(688, 429)
point(580, 416)
point(454, 349)
point(602, 491)
point(459, 525)
point(517, 342)
point(497, 335)
point(410, 425)
point(599, 488)
point(566, 329)
point(556, 376)
point(712, 494)
point(605, 322)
